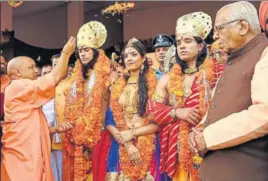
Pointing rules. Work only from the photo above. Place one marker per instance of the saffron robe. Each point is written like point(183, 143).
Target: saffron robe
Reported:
point(26, 140)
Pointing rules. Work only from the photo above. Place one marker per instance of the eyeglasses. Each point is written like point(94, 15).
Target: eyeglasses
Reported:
point(219, 27)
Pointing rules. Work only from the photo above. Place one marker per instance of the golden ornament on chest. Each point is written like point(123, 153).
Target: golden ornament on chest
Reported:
point(188, 80)
point(187, 92)
point(129, 98)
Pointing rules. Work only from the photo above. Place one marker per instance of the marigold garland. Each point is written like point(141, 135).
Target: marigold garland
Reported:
point(84, 111)
point(145, 144)
point(118, 7)
point(176, 87)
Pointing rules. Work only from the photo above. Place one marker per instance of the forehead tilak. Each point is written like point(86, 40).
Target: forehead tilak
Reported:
point(183, 37)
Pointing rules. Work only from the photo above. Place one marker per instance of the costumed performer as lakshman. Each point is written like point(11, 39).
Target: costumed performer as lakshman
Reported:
point(134, 154)
point(182, 97)
point(86, 104)
point(26, 141)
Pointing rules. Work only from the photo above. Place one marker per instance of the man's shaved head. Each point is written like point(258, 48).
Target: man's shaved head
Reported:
point(22, 68)
point(14, 64)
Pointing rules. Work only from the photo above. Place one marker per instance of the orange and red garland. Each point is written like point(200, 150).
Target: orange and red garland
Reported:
point(84, 112)
point(145, 144)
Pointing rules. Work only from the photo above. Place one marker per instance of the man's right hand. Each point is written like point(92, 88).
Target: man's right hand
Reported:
point(191, 115)
point(69, 47)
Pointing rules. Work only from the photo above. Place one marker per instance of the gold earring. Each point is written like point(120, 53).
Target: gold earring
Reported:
point(126, 72)
point(142, 68)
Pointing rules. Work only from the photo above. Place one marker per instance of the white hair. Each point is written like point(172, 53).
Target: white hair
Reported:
point(243, 10)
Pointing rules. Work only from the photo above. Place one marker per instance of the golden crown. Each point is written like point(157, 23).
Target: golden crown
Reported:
point(194, 24)
point(92, 34)
point(131, 41)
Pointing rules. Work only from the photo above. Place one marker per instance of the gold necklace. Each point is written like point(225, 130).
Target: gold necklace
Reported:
point(187, 85)
point(133, 80)
point(190, 70)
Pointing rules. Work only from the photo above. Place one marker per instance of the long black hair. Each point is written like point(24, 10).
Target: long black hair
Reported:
point(91, 64)
point(200, 58)
point(142, 84)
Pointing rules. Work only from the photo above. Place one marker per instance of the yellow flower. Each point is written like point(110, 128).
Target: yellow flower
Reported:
point(179, 93)
point(197, 159)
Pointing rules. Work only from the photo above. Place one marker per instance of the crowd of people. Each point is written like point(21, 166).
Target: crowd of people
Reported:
point(201, 116)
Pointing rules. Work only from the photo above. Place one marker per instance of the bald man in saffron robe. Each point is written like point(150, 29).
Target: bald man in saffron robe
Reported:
point(26, 140)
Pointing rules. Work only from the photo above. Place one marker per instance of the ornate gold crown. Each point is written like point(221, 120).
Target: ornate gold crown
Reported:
point(194, 24)
point(92, 34)
point(131, 41)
